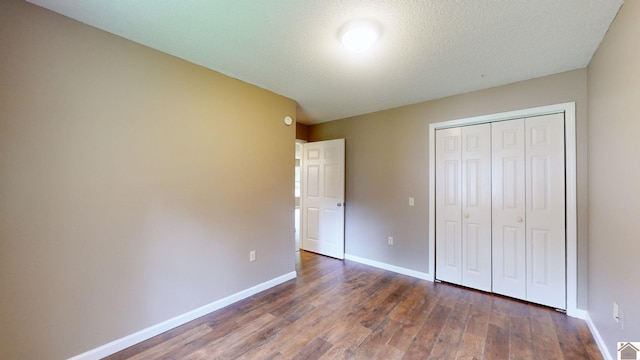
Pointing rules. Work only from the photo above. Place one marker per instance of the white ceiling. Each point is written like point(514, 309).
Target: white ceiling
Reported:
point(429, 49)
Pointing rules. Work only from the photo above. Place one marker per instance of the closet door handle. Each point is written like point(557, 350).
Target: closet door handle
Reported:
point(466, 215)
point(519, 219)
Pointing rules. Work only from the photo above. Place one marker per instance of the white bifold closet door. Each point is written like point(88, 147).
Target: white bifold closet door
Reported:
point(448, 205)
point(508, 214)
point(529, 209)
point(463, 221)
point(500, 208)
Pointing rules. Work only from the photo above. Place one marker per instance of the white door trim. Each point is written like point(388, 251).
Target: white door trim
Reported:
point(569, 110)
point(298, 224)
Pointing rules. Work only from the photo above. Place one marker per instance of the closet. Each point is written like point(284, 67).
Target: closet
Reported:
point(500, 208)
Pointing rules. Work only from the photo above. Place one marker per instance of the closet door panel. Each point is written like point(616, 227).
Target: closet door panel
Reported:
point(476, 206)
point(448, 206)
point(508, 208)
point(545, 199)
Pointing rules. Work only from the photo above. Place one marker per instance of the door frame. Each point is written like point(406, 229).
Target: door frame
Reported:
point(298, 225)
point(569, 109)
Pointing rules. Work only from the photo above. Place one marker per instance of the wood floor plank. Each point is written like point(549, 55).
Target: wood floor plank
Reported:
point(414, 321)
point(391, 353)
point(173, 343)
point(415, 297)
point(571, 345)
point(293, 338)
point(545, 340)
point(448, 342)
point(314, 350)
point(481, 305)
point(255, 339)
point(315, 327)
point(426, 337)
point(346, 347)
point(277, 302)
point(520, 338)
point(378, 310)
point(215, 348)
point(588, 341)
point(496, 345)
point(216, 334)
point(274, 356)
point(345, 310)
point(366, 285)
point(355, 281)
point(499, 314)
point(375, 344)
point(471, 347)
point(362, 310)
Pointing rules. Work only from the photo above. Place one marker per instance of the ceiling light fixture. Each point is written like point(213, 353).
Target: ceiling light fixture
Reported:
point(360, 35)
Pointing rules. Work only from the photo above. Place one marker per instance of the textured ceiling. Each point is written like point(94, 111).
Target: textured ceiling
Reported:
point(429, 49)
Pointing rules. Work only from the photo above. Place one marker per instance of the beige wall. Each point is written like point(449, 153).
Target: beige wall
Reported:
point(614, 179)
point(302, 131)
point(133, 185)
point(387, 162)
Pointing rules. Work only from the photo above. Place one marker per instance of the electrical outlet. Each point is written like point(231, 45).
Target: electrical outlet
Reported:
point(411, 201)
point(390, 240)
point(252, 255)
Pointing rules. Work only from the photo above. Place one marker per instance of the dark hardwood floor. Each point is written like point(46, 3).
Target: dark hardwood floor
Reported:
point(344, 310)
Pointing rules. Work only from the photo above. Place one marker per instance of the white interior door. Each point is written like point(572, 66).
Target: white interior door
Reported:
point(448, 205)
point(545, 215)
point(322, 197)
point(508, 208)
point(476, 206)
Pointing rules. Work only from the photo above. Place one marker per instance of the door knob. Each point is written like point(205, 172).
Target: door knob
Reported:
point(519, 219)
point(466, 215)
point(339, 204)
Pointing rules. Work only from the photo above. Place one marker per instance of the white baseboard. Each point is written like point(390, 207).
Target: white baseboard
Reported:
point(385, 266)
point(142, 335)
point(596, 336)
point(578, 313)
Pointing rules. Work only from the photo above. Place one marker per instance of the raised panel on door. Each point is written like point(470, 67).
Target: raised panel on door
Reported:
point(508, 208)
point(448, 206)
point(545, 213)
point(322, 197)
point(311, 196)
point(476, 206)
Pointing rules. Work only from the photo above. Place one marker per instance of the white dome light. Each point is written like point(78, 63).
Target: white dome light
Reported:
point(359, 36)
